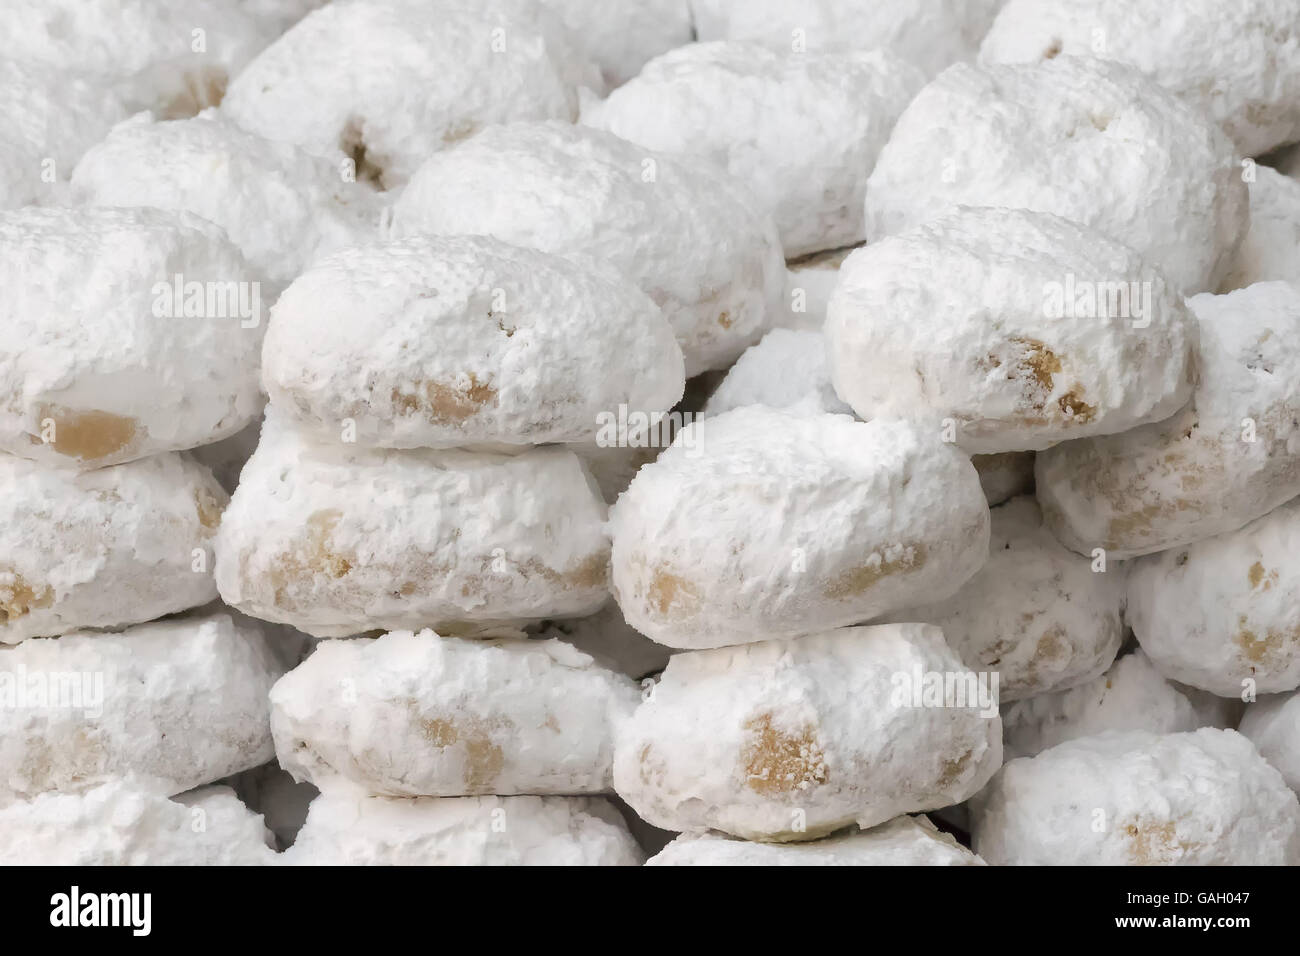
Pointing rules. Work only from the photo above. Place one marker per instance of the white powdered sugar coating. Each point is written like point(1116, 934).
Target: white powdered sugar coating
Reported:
point(281, 206)
point(1239, 62)
point(48, 118)
point(802, 130)
point(445, 342)
point(903, 841)
point(98, 363)
point(764, 523)
point(173, 704)
point(425, 715)
point(1220, 614)
point(1018, 328)
point(119, 824)
point(103, 548)
point(792, 740)
point(1204, 798)
point(1130, 696)
point(336, 540)
point(1091, 141)
point(418, 76)
point(787, 370)
point(1273, 725)
point(1228, 457)
point(1038, 614)
point(688, 234)
point(171, 56)
point(356, 830)
point(1270, 249)
point(929, 33)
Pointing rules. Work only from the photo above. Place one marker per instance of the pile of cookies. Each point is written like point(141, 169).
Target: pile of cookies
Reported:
point(513, 432)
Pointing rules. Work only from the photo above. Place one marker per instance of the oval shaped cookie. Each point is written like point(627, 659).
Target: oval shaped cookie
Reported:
point(1205, 798)
point(103, 548)
point(1014, 329)
point(336, 540)
point(1239, 62)
point(763, 523)
point(446, 342)
point(801, 129)
point(280, 205)
point(351, 829)
point(1223, 614)
point(1090, 141)
point(129, 332)
point(791, 740)
point(77, 715)
point(381, 84)
point(441, 716)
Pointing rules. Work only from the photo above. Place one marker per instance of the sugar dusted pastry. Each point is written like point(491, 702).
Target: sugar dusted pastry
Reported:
point(118, 824)
point(688, 234)
point(903, 841)
point(1014, 329)
point(336, 540)
point(351, 829)
point(801, 129)
point(1095, 142)
point(1140, 799)
point(174, 704)
point(105, 311)
point(1273, 725)
point(1238, 62)
point(929, 33)
point(1221, 614)
point(384, 83)
point(791, 740)
point(762, 523)
point(103, 548)
point(443, 342)
point(421, 715)
point(1228, 457)
point(1131, 695)
point(1040, 615)
point(280, 205)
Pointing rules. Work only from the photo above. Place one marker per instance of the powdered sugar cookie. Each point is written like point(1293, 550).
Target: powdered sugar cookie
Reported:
point(445, 342)
point(792, 740)
point(1014, 329)
point(106, 310)
point(764, 523)
point(336, 540)
point(802, 130)
point(104, 548)
point(1122, 799)
point(422, 715)
point(1095, 142)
